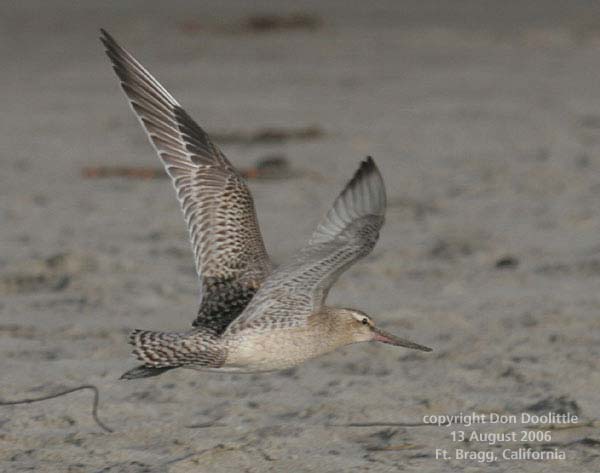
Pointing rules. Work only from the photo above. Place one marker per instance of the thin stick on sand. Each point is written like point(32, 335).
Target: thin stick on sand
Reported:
point(102, 425)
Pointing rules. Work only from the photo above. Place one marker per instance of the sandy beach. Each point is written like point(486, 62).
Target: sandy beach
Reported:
point(484, 118)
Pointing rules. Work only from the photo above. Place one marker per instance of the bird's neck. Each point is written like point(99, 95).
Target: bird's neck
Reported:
point(336, 326)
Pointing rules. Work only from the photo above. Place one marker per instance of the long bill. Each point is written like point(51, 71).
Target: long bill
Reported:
point(386, 337)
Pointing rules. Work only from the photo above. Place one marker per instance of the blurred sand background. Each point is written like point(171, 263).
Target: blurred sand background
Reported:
point(484, 117)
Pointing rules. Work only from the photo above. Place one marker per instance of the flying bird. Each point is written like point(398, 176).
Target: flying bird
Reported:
point(252, 317)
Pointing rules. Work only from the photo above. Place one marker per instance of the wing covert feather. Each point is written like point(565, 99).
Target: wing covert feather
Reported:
point(348, 232)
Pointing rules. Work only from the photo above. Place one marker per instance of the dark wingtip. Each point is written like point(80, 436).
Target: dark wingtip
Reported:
point(105, 37)
point(113, 49)
point(367, 166)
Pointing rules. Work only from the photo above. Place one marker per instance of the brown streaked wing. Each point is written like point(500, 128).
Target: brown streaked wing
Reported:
point(349, 231)
point(218, 208)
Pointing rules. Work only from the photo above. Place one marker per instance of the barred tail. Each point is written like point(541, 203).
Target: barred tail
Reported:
point(157, 349)
point(162, 351)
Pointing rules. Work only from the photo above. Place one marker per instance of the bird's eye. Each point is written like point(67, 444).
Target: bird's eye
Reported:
point(365, 321)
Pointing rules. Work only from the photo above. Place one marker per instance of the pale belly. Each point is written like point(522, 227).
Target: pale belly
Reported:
point(274, 350)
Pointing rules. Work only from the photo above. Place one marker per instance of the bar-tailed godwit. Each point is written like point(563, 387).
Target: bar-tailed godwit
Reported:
point(251, 317)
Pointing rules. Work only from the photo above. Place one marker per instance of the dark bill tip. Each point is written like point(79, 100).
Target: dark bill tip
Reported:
point(385, 337)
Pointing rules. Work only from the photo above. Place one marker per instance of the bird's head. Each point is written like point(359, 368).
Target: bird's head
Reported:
point(359, 327)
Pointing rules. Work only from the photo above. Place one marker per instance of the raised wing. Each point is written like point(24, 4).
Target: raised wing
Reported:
point(348, 232)
point(229, 252)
